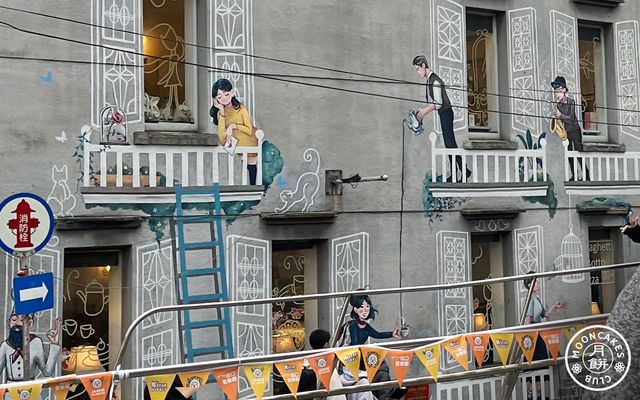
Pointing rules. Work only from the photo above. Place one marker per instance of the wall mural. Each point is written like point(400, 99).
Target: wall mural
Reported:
point(302, 197)
point(157, 338)
point(44, 323)
point(571, 255)
point(435, 207)
point(564, 48)
point(60, 199)
point(453, 253)
point(349, 268)
point(523, 71)
point(528, 256)
point(628, 79)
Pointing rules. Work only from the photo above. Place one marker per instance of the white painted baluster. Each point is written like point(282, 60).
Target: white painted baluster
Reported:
point(119, 169)
point(86, 178)
point(444, 160)
point(136, 169)
point(616, 168)
point(215, 166)
point(245, 172)
point(474, 161)
point(607, 161)
point(516, 168)
point(200, 168)
point(485, 165)
point(496, 169)
point(169, 169)
point(464, 169)
point(185, 168)
point(525, 170)
point(103, 169)
point(232, 179)
point(625, 169)
point(636, 175)
point(153, 169)
point(507, 169)
point(591, 167)
point(600, 168)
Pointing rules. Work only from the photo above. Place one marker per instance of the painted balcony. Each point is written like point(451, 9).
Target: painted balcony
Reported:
point(139, 174)
point(609, 173)
point(502, 173)
point(489, 388)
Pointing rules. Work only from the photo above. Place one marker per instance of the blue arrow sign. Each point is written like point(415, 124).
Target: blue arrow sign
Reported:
point(33, 293)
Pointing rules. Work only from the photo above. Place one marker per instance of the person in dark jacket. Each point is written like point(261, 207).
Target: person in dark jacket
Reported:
point(566, 112)
point(438, 100)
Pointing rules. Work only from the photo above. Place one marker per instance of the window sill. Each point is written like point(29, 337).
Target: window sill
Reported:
point(603, 3)
point(603, 147)
point(175, 138)
point(490, 144)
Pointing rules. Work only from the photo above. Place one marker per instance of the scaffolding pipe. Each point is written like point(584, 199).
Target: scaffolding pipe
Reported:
point(321, 296)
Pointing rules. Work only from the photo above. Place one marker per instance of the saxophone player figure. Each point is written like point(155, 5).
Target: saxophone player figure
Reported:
point(565, 111)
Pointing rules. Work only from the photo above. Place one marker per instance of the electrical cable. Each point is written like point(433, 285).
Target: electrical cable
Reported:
point(287, 80)
point(378, 79)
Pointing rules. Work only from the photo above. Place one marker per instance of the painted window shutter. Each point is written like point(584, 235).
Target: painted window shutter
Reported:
point(529, 256)
point(628, 80)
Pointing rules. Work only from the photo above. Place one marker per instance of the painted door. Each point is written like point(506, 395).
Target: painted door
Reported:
point(528, 256)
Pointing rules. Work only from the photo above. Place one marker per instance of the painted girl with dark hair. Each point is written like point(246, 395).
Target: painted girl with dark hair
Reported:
point(359, 329)
point(233, 120)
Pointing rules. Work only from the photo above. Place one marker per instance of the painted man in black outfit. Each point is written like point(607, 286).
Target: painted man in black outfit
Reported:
point(438, 100)
point(566, 112)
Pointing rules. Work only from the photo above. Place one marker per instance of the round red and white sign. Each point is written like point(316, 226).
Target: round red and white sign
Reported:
point(26, 223)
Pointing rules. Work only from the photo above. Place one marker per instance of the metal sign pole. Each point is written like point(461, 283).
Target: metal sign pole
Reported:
point(26, 320)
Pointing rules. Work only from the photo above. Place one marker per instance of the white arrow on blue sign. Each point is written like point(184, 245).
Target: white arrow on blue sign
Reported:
point(33, 293)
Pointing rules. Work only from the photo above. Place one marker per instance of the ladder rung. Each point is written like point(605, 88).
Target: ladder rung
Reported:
point(200, 272)
point(210, 350)
point(208, 324)
point(201, 245)
point(204, 297)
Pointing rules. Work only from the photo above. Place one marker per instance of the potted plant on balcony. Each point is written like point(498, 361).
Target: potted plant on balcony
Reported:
point(127, 176)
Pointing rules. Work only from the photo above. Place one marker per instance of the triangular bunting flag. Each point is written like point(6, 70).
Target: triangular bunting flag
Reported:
point(527, 342)
point(479, 343)
point(2, 390)
point(258, 377)
point(159, 385)
point(457, 347)
point(322, 365)
point(400, 362)
point(227, 379)
point(97, 385)
point(194, 380)
point(570, 331)
point(290, 371)
point(187, 391)
point(373, 358)
point(551, 338)
point(59, 386)
point(26, 392)
point(350, 357)
point(429, 356)
point(502, 345)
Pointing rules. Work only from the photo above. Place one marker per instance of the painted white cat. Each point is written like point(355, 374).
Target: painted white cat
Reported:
point(307, 186)
point(61, 201)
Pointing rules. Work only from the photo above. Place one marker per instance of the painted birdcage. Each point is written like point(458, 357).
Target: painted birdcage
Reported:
point(570, 257)
point(113, 125)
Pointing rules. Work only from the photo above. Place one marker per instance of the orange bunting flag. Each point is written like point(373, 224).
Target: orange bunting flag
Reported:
point(26, 392)
point(479, 343)
point(502, 345)
point(373, 358)
point(322, 365)
point(551, 338)
point(429, 356)
point(2, 390)
point(227, 379)
point(258, 378)
point(527, 342)
point(59, 386)
point(457, 347)
point(159, 385)
point(194, 380)
point(400, 362)
point(97, 385)
point(187, 391)
point(290, 371)
point(350, 357)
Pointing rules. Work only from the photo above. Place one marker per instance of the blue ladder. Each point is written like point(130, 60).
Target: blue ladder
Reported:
point(217, 271)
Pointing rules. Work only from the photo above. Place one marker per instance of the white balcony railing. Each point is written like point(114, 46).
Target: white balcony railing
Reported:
point(489, 388)
point(134, 166)
point(603, 166)
point(497, 166)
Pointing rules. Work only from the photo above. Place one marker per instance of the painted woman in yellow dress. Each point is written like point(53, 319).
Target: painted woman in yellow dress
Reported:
point(232, 119)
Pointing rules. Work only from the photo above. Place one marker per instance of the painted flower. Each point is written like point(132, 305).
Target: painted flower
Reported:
point(117, 118)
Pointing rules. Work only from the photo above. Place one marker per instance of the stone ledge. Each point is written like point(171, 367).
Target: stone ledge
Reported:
point(490, 144)
point(603, 147)
point(603, 3)
point(175, 138)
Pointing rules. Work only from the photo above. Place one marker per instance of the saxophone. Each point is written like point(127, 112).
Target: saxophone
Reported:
point(556, 125)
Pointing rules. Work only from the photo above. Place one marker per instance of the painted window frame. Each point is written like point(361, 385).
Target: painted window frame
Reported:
point(492, 80)
point(191, 75)
point(601, 134)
